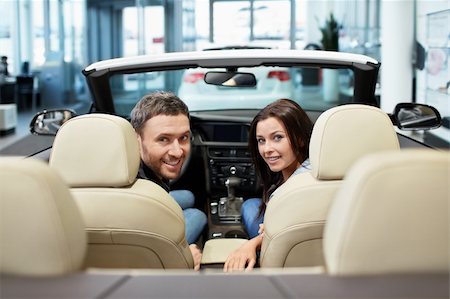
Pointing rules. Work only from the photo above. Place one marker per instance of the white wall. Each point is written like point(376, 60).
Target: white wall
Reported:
point(439, 100)
point(424, 7)
point(397, 41)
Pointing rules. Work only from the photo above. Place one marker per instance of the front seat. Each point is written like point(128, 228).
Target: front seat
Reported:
point(391, 216)
point(296, 214)
point(42, 231)
point(131, 223)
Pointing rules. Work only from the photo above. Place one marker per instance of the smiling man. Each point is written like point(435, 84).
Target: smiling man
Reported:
point(161, 121)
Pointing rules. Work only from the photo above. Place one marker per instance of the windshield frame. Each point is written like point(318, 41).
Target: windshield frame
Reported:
point(365, 69)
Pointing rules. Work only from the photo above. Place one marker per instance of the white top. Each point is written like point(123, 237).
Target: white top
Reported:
point(305, 167)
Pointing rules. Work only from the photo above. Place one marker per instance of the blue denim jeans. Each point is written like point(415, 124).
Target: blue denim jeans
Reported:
point(194, 219)
point(250, 218)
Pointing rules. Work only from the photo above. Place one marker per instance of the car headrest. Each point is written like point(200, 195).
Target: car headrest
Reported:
point(96, 150)
point(391, 215)
point(345, 133)
point(42, 232)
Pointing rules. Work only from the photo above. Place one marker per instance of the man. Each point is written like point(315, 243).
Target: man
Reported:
point(161, 121)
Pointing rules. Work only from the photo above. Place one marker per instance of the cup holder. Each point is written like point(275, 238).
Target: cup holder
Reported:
point(233, 234)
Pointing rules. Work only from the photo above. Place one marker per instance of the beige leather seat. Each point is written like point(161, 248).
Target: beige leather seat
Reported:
point(391, 215)
point(41, 232)
point(131, 223)
point(296, 214)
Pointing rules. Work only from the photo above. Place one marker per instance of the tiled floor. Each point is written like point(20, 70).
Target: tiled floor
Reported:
point(23, 124)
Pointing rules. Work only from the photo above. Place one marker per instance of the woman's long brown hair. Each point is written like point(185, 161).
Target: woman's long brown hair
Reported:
point(298, 127)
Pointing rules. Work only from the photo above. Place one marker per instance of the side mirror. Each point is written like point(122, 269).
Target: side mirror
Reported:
point(413, 116)
point(230, 79)
point(48, 122)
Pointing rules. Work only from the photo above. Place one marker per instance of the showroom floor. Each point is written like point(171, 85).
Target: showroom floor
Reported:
point(22, 129)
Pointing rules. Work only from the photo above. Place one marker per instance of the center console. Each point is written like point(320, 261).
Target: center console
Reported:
point(229, 172)
point(230, 176)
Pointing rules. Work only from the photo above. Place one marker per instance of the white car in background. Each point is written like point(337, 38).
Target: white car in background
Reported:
point(271, 83)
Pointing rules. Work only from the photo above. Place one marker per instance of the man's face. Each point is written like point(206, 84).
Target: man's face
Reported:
point(165, 143)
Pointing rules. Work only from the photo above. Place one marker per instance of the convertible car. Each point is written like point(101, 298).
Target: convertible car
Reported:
point(369, 220)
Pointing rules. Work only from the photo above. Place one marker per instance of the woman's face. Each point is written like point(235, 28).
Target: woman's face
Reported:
point(275, 147)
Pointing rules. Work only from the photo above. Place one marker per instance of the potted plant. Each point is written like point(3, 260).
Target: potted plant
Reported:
point(330, 42)
point(330, 34)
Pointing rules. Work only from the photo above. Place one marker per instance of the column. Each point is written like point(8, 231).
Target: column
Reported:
point(397, 41)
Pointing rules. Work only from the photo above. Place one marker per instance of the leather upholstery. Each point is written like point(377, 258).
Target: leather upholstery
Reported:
point(41, 232)
point(216, 251)
point(131, 223)
point(391, 215)
point(96, 150)
point(296, 214)
point(345, 133)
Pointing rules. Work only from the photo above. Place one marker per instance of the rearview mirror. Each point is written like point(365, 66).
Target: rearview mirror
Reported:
point(48, 122)
point(230, 79)
point(413, 116)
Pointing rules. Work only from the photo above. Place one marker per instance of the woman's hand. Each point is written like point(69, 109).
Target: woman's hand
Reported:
point(243, 258)
point(196, 255)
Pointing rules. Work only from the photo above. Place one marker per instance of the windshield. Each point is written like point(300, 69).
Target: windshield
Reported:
point(313, 88)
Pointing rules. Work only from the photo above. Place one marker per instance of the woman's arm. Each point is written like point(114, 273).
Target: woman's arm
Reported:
point(243, 258)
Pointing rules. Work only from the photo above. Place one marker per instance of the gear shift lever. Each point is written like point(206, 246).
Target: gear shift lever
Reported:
point(230, 206)
point(232, 182)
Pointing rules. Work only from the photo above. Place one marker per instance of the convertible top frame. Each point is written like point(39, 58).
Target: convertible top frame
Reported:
point(365, 68)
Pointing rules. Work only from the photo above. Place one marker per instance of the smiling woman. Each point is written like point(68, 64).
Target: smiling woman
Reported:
point(278, 153)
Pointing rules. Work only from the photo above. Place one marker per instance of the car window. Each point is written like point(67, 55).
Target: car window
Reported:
point(314, 89)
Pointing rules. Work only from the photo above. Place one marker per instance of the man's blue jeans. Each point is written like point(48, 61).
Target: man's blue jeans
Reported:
point(195, 220)
point(250, 218)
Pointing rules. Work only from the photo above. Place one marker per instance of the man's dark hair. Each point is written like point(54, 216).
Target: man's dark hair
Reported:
point(157, 103)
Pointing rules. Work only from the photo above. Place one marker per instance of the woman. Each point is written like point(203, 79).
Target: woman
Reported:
point(279, 145)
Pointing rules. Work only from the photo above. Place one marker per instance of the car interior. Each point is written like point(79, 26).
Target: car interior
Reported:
point(131, 223)
point(372, 206)
point(224, 176)
point(356, 244)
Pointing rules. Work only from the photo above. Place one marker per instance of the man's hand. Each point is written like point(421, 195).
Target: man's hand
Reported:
point(243, 258)
point(196, 255)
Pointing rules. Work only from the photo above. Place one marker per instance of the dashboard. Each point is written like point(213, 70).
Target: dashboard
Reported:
point(224, 132)
point(223, 146)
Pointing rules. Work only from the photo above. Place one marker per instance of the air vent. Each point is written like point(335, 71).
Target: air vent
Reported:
point(224, 152)
point(219, 152)
point(242, 153)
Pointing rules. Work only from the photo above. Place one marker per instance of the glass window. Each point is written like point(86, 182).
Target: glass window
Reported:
point(231, 22)
point(276, 32)
point(130, 31)
point(38, 56)
point(6, 27)
point(152, 32)
point(313, 88)
point(54, 26)
point(154, 29)
point(201, 24)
